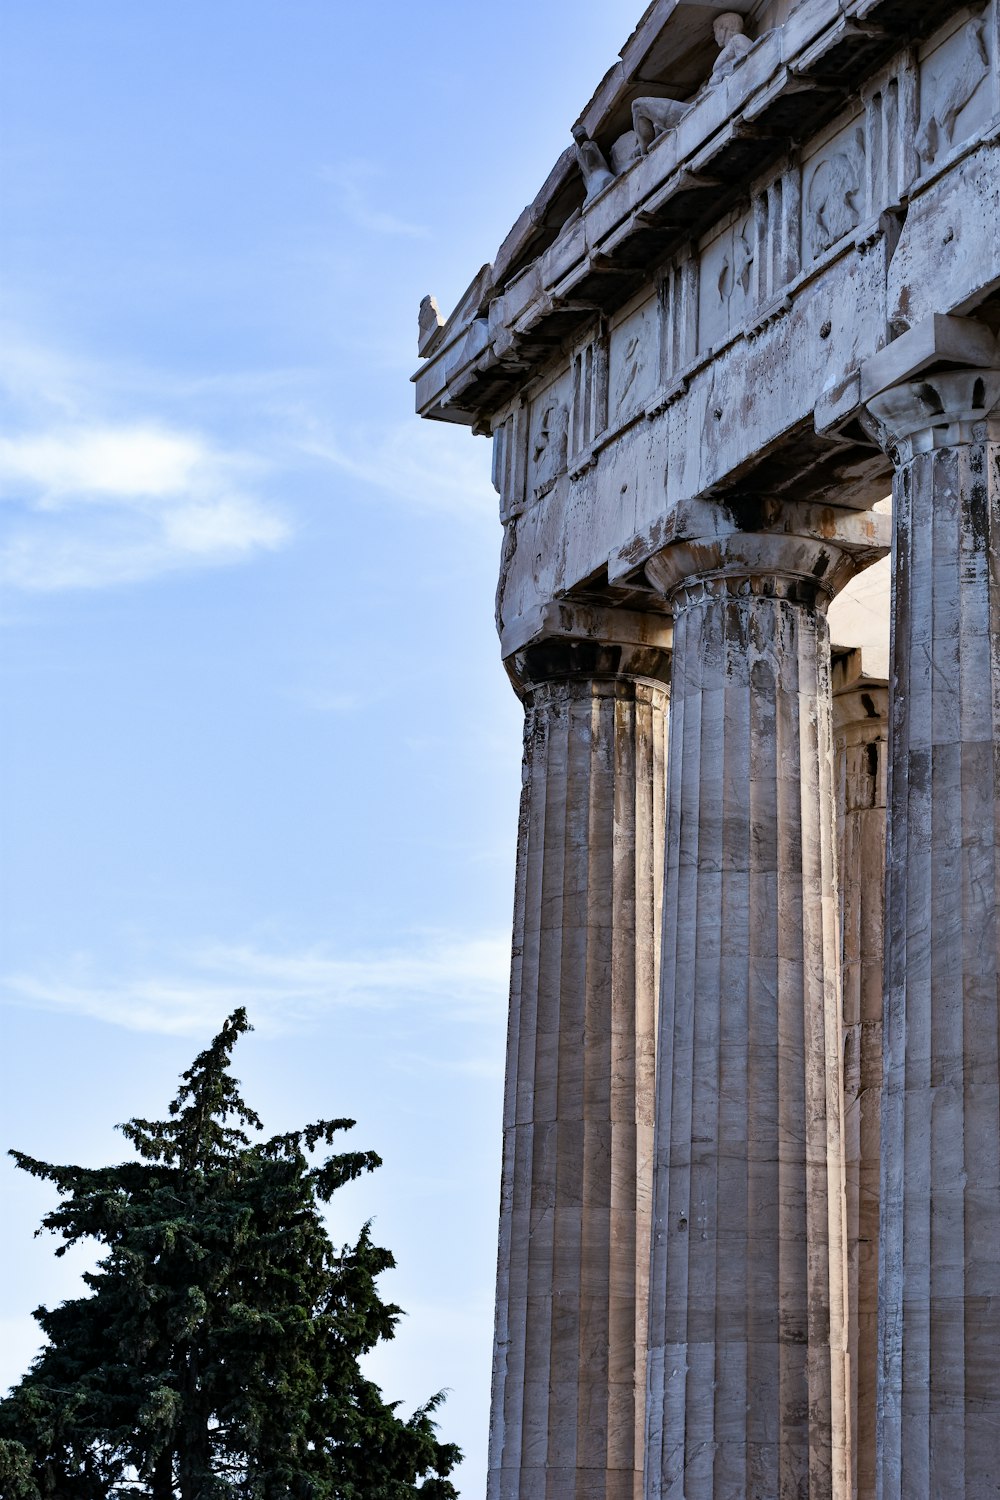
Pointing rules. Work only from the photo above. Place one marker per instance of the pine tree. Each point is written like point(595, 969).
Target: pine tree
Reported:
point(217, 1353)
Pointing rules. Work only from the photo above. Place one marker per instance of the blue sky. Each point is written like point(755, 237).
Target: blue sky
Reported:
point(256, 746)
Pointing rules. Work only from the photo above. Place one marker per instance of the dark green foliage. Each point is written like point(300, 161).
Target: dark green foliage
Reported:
point(217, 1355)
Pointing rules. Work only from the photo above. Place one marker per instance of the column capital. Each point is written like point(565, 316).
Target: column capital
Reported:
point(581, 642)
point(936, 386)
point(765, 547)
point(859, 699)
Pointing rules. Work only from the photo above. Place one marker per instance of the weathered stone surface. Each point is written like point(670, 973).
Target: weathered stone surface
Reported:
point(734, 306)
point(569, 1369)
point(939, 1396)
point(861, 724)
point(748, 1362)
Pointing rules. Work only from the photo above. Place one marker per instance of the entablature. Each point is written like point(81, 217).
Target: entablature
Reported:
point(850, 71)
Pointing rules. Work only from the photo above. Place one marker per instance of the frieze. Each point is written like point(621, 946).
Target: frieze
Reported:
point(634, 361)
point(777, 252)
point(745, 279)
point(510, 455)
point(892, 111)
point(678, 293)
point(589, 409)
point(549, 445)
point(843, 193)
point(954, 97)
point(726, 282)
point(834, 194)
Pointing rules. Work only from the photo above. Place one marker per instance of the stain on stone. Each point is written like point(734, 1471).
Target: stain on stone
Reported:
point(871, 751)
point(929, 397)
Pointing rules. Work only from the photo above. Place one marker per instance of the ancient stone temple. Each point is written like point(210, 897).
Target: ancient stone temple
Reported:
point(750, 1217)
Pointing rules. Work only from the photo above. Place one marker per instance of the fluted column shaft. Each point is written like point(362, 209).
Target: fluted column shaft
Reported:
point(747, 1368)
point(572, 1293)
point(861, 726)
point(939, 1396)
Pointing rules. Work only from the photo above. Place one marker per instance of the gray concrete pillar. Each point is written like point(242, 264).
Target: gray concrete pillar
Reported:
point(861, 726)
point(939, 1397)
point(569, 1368)
point(748, 1323)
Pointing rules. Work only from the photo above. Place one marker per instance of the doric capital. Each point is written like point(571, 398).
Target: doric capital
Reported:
point(591, 645)
point(942, 409)
point(937, 386)
point(860, 701)
point(770, 549)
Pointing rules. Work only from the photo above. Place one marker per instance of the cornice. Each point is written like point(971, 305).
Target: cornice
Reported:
point(523, 308)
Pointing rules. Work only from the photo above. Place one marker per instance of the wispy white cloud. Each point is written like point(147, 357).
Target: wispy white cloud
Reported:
point(356, 184)
point(98, 505)
point(114, 462)
point(414, 463)
point(42, 381)
point(322, 700)
point(88, 500)
point(462, 978)
point(105, 480)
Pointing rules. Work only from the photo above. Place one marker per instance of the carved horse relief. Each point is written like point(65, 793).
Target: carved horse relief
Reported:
point(951, 89)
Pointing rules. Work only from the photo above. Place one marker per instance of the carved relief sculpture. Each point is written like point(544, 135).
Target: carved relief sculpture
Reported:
point(735, 274)
point(834, 196)
point(550, 446)
point(950, 94)
point(633, 363)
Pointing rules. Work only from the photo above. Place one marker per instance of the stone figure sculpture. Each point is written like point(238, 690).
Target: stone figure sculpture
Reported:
point(951, 95)
point(652, 118)
point(728, 30)
point(625, 151)
point(430, 323)
point(593, 165)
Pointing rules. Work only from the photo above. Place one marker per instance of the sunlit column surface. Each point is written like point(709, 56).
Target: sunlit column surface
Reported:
point(569, 1366)
point(860, 718)
point(940, 1267)
point(748, 1328)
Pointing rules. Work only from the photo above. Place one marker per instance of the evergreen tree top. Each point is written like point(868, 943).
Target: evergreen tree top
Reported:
point(218, 1351)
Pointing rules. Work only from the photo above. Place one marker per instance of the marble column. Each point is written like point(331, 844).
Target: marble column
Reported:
point(569, 1368)
point(939, 1396)
point(748, 1372)
point(861, 725)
